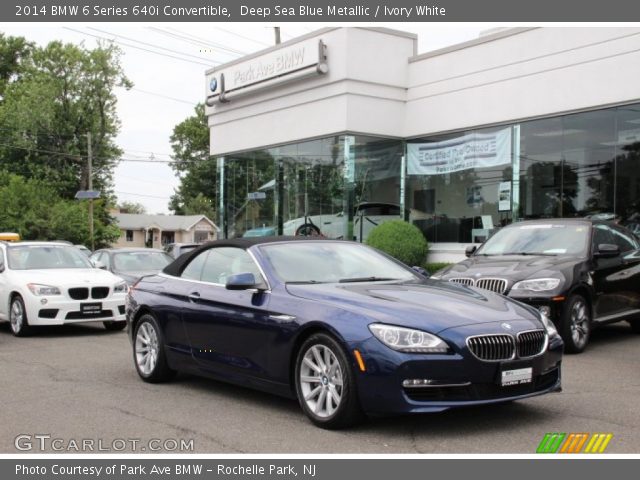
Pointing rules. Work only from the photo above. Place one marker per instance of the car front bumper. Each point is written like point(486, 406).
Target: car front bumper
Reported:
point(59, 310)
point(457, 379)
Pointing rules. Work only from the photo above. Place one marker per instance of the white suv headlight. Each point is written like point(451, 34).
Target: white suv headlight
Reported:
point(43, 290)
point(121, 288)
point(408, 340)
point(537, 284)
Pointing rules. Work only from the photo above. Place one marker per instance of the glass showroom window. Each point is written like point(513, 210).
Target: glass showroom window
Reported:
point(326, 187)
point(248, 194)
point(459, 186)
point(567, 165)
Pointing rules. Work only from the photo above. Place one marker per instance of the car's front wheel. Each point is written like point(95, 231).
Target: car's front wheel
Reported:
point(114, 326)
point(325, 383)
point(148, 351)
point(575, 327)
point(18, 317)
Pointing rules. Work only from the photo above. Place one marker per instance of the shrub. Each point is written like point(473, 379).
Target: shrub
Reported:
point(401, 240)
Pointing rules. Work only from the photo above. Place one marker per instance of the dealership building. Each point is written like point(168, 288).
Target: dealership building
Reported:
point(344, 128)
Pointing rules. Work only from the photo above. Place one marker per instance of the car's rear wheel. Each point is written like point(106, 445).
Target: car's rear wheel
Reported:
point(148, 351)
point(18, 317)
point(114, 326)
point(325, 383)
point(575, 326)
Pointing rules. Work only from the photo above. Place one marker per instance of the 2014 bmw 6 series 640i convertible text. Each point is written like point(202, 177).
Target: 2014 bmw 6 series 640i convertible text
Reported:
point(342, 327)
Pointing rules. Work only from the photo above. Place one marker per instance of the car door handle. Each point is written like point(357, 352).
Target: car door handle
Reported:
point(194, 296)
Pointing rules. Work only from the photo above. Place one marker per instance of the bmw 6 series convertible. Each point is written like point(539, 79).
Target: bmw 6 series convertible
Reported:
point(343, 328)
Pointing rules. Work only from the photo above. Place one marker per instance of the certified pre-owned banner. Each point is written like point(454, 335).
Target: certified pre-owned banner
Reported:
point(474, 150)
point(319, 11)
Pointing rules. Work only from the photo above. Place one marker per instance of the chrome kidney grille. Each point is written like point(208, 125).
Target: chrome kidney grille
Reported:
point(498, 285)
point(463, 281)
point(531, 343)
point(498, 347)
point(492, 347)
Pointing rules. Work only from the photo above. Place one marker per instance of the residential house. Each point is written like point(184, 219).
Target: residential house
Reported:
point(156, 231)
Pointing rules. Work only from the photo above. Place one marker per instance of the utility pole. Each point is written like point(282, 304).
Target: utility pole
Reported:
point(276, 30)
point(90, 187)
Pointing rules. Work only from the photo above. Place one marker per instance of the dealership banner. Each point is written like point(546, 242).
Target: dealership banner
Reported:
point(318, 11)
point(474, 150)
point(317, 469)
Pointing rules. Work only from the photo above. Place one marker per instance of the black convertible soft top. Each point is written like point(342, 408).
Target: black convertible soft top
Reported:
point(175, 268)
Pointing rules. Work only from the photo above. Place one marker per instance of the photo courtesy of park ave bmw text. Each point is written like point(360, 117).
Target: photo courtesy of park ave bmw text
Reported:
point(304, 240)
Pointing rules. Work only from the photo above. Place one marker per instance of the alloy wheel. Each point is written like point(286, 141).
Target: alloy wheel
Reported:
point(146, 348)
point(16, 316)
point(580, 323)
point(321, 380)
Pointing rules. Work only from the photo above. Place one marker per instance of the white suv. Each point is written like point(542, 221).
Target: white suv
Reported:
point(51, 283)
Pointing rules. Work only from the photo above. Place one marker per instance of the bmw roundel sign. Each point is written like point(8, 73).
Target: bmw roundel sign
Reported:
point(213, 84)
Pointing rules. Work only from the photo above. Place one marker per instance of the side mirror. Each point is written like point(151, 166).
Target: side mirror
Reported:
point(607, 250)
point(98, 264)
point(470, 250)
point(241, 281)
point(421, 271)
point(1, 267)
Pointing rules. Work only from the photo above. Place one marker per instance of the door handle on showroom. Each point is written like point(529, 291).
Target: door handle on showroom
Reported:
point(194, 296)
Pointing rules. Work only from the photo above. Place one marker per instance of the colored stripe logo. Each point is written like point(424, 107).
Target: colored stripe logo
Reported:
point(574, 443)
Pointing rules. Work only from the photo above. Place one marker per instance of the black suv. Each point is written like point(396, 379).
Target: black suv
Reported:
point(578, 272)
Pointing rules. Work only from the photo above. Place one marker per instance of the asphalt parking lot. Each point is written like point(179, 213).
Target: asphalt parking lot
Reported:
point(78, 382)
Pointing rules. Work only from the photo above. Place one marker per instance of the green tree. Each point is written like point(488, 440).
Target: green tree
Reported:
point(35, 211)
point(200, 205)
point(131, 207)
point(64, 91)
point(50, 98)
point(191, 160)
point(14, 52)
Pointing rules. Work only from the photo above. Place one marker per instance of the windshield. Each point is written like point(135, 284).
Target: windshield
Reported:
point(328, 262)
point(538, 239)
point(37, 257)
point(140, 261)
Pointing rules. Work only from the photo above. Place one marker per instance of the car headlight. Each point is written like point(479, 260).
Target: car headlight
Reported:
point(407, 339)
point(537, 284)
point(42, 290)
point(548, 325)
point(121, 288)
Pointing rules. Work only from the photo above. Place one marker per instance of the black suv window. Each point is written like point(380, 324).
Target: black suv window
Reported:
point(624, 240)
point(602, 234)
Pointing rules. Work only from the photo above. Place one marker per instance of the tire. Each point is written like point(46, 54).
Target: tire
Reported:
point(308, 230)
point(18, 317)
point(575, 324)
point(114, 326)
point(328, 404)
point(148, 351)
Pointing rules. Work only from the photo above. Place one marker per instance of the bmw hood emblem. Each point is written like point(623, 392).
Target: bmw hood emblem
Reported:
point(506, 326)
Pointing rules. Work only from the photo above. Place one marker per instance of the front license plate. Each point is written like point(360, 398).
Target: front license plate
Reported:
point(516, 377)
point(90, 308)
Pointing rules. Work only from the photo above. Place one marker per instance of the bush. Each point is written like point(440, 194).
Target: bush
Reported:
point(401, 240)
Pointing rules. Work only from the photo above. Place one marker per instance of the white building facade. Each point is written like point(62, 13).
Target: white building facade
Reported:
point(344, 128)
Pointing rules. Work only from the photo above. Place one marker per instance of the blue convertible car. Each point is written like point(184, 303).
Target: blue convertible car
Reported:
point(343, 328)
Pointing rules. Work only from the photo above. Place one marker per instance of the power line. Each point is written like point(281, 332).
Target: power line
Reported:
point(149, 44)
point(207, 42)
point(138, 48)
point(197, 43)
point(259, 42)
point(161, 95)
point(143, 195)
